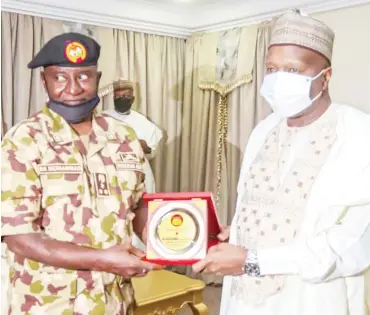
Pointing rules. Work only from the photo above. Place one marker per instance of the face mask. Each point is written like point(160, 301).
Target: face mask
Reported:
point(74, 114)
point(123, 104)
point(288, 93)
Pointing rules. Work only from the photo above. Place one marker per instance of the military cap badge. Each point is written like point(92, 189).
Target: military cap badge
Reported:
point(75, 52)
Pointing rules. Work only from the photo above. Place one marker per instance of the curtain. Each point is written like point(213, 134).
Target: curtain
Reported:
point(199, 130)
point(22, 91)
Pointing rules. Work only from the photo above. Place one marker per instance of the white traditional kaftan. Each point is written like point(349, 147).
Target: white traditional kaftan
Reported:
point(148, 131)
point(326, 268)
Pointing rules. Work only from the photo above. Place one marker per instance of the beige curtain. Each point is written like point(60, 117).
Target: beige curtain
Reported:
point(154, 63)
point(199, 129)
point(21, 89)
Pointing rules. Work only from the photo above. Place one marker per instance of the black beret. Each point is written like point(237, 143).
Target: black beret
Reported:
point(67, 50)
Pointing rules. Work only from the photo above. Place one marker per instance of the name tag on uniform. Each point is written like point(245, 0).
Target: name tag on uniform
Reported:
point(128, 162)
point(122, 166)
point(60, 168)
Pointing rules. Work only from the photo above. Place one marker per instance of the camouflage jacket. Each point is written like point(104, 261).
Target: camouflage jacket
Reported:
point(51, 184)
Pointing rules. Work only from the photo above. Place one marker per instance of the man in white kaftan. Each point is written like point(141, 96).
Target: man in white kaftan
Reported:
point(300, 239)
point(147, 132)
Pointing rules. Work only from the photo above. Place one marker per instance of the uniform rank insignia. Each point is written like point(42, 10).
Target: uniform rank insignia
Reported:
point(102, 186)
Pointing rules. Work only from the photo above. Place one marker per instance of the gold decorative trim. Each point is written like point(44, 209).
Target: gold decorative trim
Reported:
point(222, 140)
point(223, 90)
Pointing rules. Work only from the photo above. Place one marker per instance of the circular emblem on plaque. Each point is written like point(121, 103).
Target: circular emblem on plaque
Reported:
point(178, 230)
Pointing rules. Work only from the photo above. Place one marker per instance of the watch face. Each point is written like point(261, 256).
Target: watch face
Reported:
point(177, 231)
point(252, 270)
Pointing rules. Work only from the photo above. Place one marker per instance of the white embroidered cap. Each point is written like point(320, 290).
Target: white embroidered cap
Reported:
point(295, 28)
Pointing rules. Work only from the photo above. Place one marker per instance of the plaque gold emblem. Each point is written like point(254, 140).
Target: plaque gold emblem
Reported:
point(176, 229)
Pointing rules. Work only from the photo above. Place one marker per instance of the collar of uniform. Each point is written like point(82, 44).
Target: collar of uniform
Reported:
point(103, 131)
point(60, 132)
point(57, 129)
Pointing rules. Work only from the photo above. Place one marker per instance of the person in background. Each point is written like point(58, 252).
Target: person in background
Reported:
point(148, 133)
point(71, 194)
point(300, 238)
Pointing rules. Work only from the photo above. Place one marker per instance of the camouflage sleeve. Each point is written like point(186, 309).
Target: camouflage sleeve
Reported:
point(20, 185)
point(136, 147)
point(140, 188)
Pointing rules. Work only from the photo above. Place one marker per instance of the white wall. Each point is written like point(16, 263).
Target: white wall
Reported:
point(350, 83)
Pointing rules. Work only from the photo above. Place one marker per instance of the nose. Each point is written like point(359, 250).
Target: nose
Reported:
point(73, 88)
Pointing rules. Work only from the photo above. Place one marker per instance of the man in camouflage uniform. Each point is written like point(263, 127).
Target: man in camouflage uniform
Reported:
point(72, 182)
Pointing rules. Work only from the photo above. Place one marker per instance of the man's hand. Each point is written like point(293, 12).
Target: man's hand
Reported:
point(124, 260)
point(223, 260)
point(145, 147)
point(225, 233)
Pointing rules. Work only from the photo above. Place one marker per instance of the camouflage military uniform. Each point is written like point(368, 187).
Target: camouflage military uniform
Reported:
point(51, 184)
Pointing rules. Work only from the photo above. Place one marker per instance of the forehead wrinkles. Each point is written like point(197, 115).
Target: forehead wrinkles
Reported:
point(69, 70)
point(293, 54)
point(285, 54)
point(281, 62)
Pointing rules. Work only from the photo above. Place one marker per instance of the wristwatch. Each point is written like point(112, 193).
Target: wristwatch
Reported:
point(252, 267)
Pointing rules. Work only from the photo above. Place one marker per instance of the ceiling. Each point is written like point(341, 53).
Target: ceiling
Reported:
point(177, 18)
point(187, 2)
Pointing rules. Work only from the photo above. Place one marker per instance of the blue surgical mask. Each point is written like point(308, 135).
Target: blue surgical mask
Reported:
point(74, 114)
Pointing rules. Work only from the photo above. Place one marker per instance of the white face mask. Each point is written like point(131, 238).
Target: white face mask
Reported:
point(288, 93)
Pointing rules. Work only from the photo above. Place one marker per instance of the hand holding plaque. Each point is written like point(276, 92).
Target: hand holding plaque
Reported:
point(181, 227)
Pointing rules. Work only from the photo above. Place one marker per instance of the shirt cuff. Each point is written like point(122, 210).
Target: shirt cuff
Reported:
point(277, 261)
point(15, 221)
point(22, 223)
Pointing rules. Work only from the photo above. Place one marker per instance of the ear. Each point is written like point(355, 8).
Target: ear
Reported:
point(42, 76)
point(327, 76)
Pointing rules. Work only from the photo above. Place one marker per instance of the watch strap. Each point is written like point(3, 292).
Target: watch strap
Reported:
point(252, 267)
